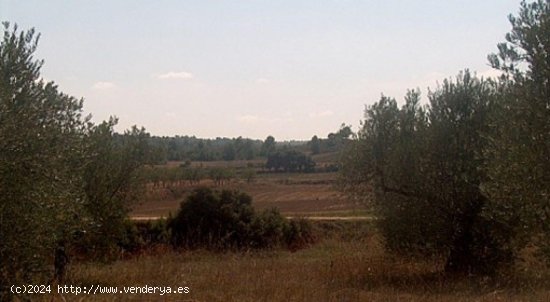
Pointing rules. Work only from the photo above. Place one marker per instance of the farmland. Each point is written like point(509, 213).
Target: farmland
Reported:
point(294, 194)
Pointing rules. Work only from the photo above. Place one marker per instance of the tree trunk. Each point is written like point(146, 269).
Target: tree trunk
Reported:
point(463, 259)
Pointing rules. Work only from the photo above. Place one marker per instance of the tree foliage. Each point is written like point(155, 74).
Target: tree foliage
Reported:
point(518, 156)
point(40, 135)
point(466, 176)
point(289, 160)
point(315, 145)
point(421, 167)
point(334, 142)
point(112, 182)
point(182, 148)
point(268, 146)
point(60, 175)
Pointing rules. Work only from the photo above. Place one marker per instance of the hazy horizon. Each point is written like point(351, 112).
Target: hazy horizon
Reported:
point(290, 69)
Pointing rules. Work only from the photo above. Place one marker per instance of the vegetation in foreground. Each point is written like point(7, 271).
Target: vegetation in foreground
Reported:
point(349, 264)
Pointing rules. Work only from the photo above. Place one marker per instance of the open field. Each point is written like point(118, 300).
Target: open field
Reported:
point(294, 194)
point(349, 264)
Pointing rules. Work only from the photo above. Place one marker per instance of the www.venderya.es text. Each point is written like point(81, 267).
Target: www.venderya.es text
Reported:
point(30, 289)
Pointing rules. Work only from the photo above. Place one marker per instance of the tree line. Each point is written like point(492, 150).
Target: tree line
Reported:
point(335, 141)
point(288, 160)
point(184, 148)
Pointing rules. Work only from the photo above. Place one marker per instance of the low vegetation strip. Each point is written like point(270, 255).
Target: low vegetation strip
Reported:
point(347, 218)
point(328, 218)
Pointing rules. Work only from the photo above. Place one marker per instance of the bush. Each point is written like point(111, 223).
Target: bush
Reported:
point(212, 219)
point(225, 219)
point(156, 232)
point(141, 235)
point(131, 241)
point(299, 233)
point(268, 229)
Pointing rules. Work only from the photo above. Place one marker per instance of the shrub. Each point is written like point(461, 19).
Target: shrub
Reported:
point(131, 240)
point(212, 219)
point(225, 219)
point(299, 233)
point(268, 229)
point(141, 235)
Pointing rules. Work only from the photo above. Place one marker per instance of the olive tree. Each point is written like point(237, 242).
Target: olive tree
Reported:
point(60, 175)
point(420, 169)
point(111, 183)
point(518, 154)
point(466, 177)
point(40, 151)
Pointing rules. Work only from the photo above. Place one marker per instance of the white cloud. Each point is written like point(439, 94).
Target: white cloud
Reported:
point(183, 75)
point(321, 114)
point(103, 85)
point(262, 81)
point(248, 119)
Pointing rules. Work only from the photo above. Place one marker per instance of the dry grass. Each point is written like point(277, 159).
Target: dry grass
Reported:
point(347, 266)
point(336, 269)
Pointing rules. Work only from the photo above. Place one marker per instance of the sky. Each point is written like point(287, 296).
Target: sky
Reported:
point(290, 69)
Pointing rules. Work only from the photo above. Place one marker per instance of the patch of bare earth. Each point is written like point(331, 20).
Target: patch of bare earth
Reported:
point(290, 193)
